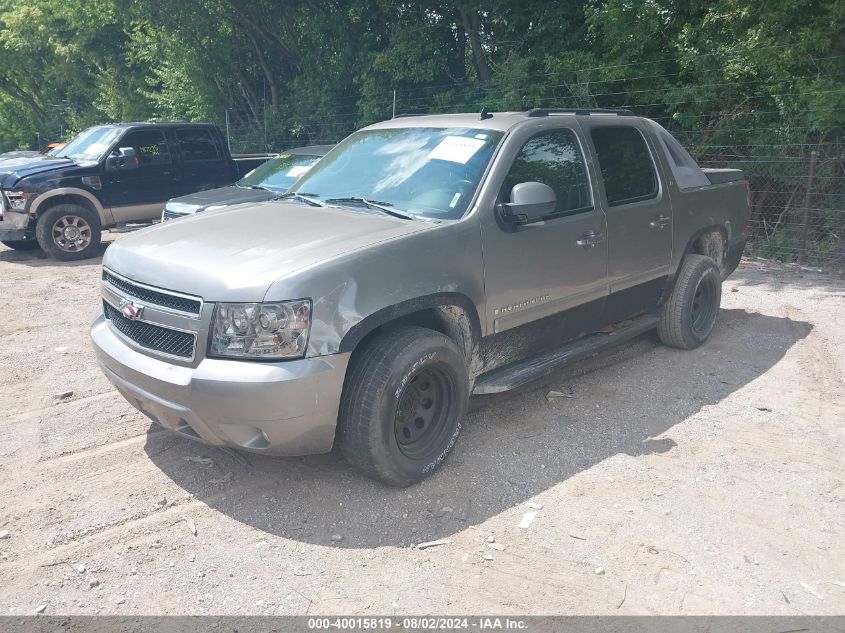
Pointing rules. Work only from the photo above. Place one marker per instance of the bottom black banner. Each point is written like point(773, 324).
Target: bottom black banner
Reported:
point(532, 624)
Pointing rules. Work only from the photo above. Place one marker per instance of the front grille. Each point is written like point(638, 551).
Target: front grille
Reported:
point(155, 297)
point(152, 337)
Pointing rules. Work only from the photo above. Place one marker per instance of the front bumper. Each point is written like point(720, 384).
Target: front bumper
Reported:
point(14, 225)
point(286, 408)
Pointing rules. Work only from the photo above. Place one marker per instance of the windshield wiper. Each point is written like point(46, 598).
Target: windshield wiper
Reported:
point(307, 198)
point(256, 187)
point(372, 204)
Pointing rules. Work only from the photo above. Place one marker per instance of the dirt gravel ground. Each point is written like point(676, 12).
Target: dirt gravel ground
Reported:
point(704, 482)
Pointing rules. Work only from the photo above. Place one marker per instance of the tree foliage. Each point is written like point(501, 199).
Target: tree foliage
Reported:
point(744, 71)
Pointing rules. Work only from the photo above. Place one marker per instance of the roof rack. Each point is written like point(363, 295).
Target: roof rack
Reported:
point(405, 115)
point(536, 112)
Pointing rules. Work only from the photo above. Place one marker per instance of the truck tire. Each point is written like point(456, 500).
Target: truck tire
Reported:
point(688, 317)
point(403, 404)
point(68, 232)
point(20, 245)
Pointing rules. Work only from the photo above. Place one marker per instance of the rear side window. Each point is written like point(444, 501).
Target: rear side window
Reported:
point(149, 145)
point(686, 171)
point(197, 144)
point(555, 159)
point(626, 165)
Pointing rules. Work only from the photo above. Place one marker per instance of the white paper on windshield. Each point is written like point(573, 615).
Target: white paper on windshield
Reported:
point(456, 149)
point(95, 149)
point(297, 170)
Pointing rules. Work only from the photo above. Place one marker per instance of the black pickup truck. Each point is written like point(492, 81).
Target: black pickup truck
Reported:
point(105, 176)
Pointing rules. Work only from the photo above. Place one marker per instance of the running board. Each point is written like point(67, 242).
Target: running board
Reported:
point(517, 374)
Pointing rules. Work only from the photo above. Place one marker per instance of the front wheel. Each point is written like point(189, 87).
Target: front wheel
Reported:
point(68, 232)
point(688, 317)
point(403, 404)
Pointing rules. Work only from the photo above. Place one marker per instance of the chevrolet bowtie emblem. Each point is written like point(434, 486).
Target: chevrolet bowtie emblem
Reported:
point(130, 310)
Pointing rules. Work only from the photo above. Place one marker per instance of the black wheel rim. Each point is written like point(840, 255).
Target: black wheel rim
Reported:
point(422, 417)
point(704, 306)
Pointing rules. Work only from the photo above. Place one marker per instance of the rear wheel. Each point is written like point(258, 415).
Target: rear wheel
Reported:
point(68, 232)
point(688, 317)
point(403, 404)
point(20, 245)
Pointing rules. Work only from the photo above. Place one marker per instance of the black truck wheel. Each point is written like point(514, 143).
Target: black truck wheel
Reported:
point(403, 404)
point(688, 317)
point(68, 232)
point(20, 245)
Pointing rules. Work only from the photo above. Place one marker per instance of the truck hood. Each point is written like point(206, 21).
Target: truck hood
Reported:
point(201, 200)
point(13, 169)
point(236, 253)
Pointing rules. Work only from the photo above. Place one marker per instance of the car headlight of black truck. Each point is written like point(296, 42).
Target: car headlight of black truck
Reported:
point(17, 200)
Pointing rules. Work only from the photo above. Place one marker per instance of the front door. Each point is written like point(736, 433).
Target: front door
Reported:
point(639, 219)
point(545, 282)
point(140, 194)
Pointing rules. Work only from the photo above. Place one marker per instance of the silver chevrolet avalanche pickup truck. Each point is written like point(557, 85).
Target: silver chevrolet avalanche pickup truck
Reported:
point(422, 260)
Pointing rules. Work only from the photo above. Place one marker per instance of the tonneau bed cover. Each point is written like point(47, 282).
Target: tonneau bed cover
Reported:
point(718, 176)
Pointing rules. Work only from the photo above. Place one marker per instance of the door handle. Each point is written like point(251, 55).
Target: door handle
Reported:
point(660, 222)
point(589, 239)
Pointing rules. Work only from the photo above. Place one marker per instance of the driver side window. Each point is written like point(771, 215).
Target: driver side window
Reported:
point(150, 147)
point(554, 159)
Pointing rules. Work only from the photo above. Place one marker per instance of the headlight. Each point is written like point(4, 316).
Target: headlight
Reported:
point(17, 200)
point(178, 207)
point(261, 330)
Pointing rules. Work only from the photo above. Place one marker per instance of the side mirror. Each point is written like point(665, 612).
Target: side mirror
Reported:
point(123, 159)
point(530, 202)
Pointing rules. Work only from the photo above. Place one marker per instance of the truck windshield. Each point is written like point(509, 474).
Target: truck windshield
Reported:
point(90, 144)
point(278, 174)
point(430, 172)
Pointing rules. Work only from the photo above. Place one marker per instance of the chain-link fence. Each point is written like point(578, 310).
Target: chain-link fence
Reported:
point(270, 129)
point(797, 201)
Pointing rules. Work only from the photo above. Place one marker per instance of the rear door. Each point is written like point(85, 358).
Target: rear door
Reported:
point(639, 217)
point(140, 194)
point(202, 162)
point(546, 281)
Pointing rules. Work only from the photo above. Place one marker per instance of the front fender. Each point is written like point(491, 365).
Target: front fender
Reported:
point(358, 291)
point(104, 214)
point(410, 306)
